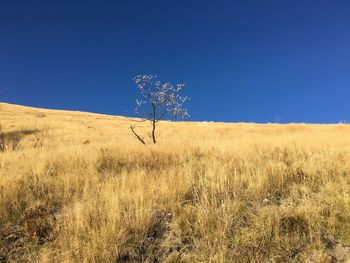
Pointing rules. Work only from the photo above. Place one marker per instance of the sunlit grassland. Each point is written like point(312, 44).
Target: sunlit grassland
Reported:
point(206, 192)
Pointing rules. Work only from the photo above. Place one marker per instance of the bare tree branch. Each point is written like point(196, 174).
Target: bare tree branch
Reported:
point(136, 135)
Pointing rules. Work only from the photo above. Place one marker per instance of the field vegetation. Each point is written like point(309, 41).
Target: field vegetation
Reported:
point(78, 187)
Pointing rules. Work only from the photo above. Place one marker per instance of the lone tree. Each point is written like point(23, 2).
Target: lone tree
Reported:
point(158, 101)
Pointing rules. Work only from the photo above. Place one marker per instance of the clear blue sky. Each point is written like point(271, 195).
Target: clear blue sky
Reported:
point(252, 61)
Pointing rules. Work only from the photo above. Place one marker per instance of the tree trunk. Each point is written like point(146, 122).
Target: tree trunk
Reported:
point(154, 131)
point(154, 120)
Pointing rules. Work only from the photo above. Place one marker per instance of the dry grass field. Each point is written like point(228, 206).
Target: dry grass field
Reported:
point(80, 188)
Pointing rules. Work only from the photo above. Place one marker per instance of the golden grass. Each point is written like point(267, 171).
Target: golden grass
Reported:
point(207, 192)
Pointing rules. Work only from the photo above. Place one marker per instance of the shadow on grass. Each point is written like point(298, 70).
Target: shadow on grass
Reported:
point(11, 140)
point(20, 133)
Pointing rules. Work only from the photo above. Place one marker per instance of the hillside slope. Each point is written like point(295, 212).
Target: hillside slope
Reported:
point(80, 188)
